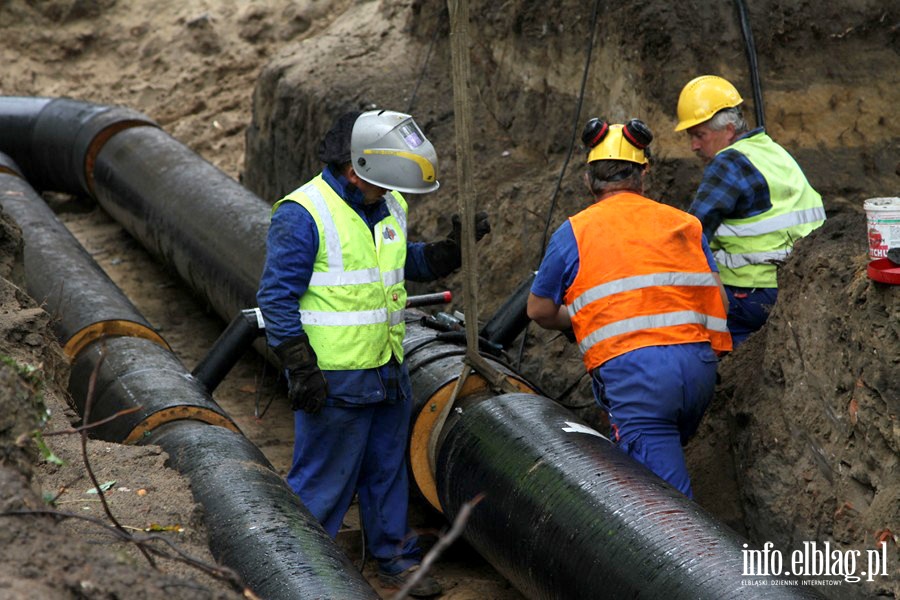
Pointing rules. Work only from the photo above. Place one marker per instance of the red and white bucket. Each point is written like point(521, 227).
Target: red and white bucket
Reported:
point(883, 220)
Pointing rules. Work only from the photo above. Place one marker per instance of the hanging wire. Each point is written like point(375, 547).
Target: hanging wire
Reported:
point(750, 48)
point(575, 129)
point(259, 386)
point(434, 36)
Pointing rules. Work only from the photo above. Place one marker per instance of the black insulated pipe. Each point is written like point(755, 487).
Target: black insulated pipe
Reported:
point(567, 515)
point(190, 215)
point(228, 349)
point(84, 303)
point(56, 141)
point(257, 525)
point(262, 530)
point(134, 373)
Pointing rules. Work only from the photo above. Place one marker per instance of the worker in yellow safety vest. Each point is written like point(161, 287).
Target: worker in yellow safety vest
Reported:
point(754, 201)
point(636, 282)
point(333, 293)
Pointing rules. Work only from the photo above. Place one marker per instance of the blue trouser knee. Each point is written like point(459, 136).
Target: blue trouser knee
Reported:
point(360, 449)
point(748, 310)
point(655, 398)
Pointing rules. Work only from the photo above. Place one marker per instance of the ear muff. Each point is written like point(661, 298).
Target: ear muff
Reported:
point(637, 132)
point(594, 132)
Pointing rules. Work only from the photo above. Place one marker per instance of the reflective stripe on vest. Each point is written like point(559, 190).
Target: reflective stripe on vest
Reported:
point(638, 282)
point(353, 307)
point(643, 280)
point(683, 317)
point(777, 223)
point(748, 249)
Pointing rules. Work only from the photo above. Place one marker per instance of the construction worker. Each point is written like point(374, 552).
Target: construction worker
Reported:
point(337, 250)
point(636, 282)
point(754, 200)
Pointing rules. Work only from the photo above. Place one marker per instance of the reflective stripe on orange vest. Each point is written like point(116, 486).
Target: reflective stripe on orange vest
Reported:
point(643, 280)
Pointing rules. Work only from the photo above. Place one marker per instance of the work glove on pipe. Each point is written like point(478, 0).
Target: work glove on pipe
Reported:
point(307, 388)
point(445, 256)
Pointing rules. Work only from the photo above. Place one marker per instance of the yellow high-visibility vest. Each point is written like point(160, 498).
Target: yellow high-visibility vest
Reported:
point(748, 250)
point(353, 308)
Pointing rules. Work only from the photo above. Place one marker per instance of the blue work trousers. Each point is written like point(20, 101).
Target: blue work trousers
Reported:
point(748, 310)
point(361, 449)
point(655, 398)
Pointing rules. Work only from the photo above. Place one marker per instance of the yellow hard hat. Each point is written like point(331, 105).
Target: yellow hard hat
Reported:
point(702, 98)
point(616, 142)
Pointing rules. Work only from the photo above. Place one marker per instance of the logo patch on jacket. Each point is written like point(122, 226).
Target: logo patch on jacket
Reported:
point(389, 234)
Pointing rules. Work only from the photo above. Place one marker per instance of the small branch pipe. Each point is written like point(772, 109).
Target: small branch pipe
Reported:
point(228, 349)
point(429, 299)
point(212, 232)
point(511, 319)
point(257, 525)
point(262, 530)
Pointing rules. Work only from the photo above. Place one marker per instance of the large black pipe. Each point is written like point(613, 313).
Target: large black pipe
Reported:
point(187, 213)
point(262, 530)
point(168, 206)
point(567, 515)
point(139, 372)
point(257, 525)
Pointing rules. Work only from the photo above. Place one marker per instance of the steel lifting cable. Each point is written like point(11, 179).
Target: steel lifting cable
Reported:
point(459, 51)
point(575, 129)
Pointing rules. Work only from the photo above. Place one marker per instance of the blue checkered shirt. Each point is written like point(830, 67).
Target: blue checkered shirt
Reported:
point(732, 188)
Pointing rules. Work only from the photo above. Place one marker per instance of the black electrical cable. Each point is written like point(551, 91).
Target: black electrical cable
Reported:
point(750, 48)
point(562, 172)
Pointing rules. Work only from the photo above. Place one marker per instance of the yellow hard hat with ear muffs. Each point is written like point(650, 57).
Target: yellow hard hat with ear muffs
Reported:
point(617, 142)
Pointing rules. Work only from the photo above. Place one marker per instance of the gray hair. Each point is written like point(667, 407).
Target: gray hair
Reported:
point(614, 175)
point(729, 116)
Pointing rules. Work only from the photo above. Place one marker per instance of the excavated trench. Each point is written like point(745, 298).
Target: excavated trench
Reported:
point(562, 510)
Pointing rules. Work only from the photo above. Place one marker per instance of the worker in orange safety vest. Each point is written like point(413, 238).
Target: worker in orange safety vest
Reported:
point(636, 282)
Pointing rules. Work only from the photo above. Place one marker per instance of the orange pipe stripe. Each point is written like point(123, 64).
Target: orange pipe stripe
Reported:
point(100, 140)
point(178, 413)
point(95, 331)
point(424, 428)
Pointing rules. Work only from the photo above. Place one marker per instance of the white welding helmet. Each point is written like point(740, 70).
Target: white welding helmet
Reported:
point(389, 150)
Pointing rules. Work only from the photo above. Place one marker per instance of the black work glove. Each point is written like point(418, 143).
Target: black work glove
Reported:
point(445, 256)
point(307, 388)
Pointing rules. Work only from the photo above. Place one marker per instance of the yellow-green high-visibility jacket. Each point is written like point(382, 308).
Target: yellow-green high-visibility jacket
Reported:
point(353, 308)
point(748, 249)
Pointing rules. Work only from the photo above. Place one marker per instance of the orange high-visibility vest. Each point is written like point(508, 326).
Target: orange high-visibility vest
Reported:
point(643, 280)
